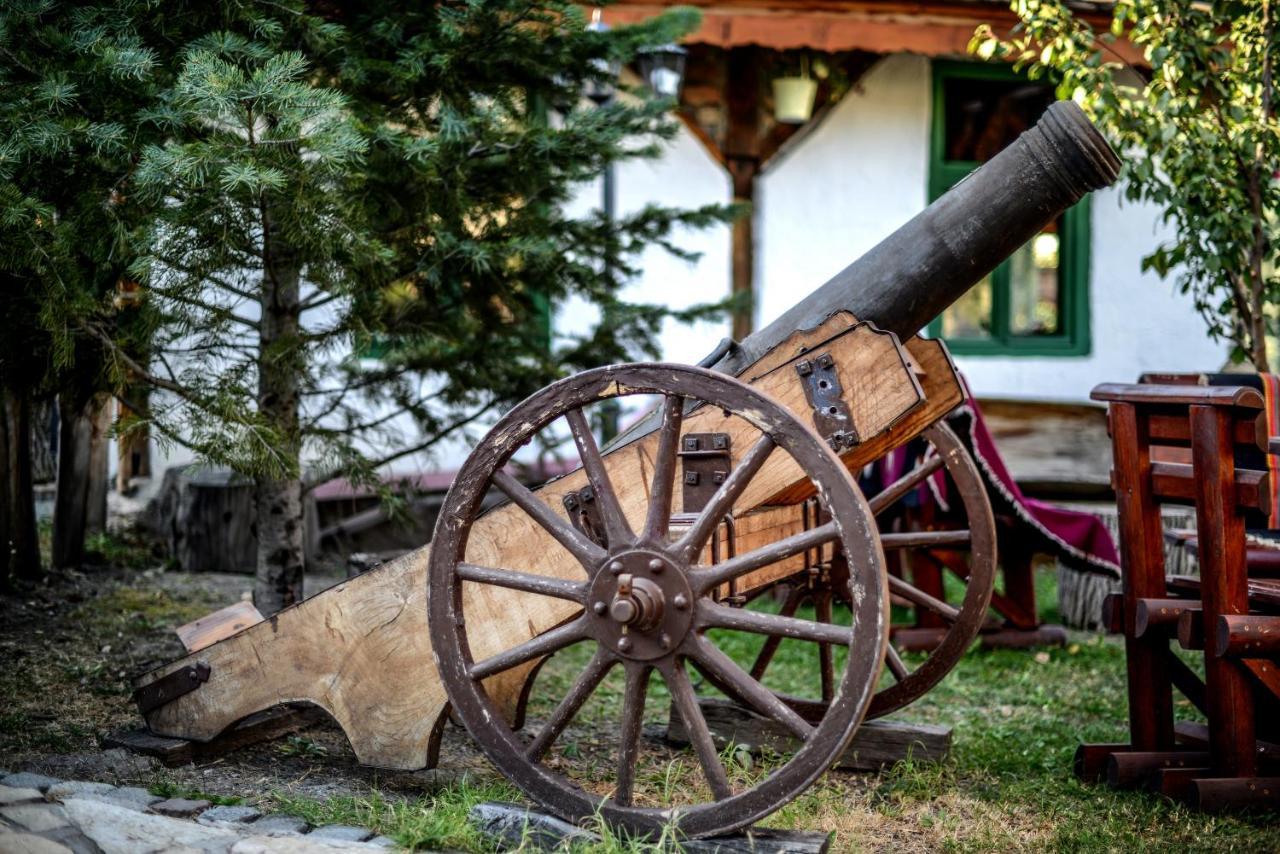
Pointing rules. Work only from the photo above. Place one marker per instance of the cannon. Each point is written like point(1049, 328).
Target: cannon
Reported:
point(774, 534)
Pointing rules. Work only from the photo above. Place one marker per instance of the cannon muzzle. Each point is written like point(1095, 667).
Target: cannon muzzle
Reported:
point(915, 273)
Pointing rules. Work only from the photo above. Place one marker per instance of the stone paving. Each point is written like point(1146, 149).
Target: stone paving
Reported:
point(42, 815)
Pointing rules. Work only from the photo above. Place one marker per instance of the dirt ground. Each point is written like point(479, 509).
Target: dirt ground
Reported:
point(71, 646)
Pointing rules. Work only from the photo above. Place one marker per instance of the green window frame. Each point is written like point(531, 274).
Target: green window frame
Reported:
point(1073, 338)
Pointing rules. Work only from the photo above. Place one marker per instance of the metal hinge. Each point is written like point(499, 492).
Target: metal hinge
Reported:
point(822, 389)
point(584, 514)
point(706, 463)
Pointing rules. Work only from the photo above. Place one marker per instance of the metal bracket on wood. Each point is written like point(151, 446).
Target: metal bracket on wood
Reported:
point(822, 389)
point(168, 688)
point(584, 514)
point(706, 463)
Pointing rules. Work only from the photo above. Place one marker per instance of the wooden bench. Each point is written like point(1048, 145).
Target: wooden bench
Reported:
point(1230, 619)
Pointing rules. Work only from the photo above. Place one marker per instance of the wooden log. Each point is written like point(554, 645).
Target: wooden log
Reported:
point(1160, 612)
point(1251, 635)
point(1113, 613)
point(1133, 768)
point(1090, 762)
point(877, 744)
point(348, 649)
point(1191, 630)
point(1043, 635)
point(1231, 794)
point(1175, 783)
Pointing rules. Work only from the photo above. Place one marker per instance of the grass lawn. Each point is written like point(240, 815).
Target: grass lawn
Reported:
point(1017, 718)
point(1007, 786)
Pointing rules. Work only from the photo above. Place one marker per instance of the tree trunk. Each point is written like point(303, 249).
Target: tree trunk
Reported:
point(80, 507)
point(278, 582)
point(18, 515)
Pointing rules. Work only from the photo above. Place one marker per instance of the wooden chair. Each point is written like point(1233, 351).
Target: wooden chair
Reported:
point(1218, 765)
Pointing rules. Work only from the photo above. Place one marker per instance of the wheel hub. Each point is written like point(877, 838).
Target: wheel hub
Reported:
point(641, 603)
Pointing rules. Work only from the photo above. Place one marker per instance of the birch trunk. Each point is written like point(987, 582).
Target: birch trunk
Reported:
point(80, 507)
point(278, 581)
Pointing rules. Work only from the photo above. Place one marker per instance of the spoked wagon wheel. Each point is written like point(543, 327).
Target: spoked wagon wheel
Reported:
point(966, 546)
point(647, 601)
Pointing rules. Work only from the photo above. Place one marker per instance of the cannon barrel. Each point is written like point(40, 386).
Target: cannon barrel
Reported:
point(915, 273)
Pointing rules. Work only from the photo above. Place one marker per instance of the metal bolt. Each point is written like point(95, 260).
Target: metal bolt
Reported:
point(691, 478)
point(691, 443)
point(680, 602)
point(616, 567)
point(624, 644)
point(664, 641)
point(720, 441)
point(656, 565)
point(600, 608)
point(719, 476)
point(570, 502)
point(804, 368)
point(825, 361)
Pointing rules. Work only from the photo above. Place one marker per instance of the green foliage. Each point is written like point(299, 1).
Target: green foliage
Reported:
point(401, 160)
point(1197, 124)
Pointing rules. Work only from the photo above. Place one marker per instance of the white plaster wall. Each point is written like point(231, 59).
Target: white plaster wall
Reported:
point(846, 186)
point(685, 176)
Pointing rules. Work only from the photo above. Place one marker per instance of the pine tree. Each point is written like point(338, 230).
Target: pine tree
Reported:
point(343, 180)
point(76, 82)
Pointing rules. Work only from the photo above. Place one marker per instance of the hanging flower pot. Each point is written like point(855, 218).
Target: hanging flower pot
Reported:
point(793, 96)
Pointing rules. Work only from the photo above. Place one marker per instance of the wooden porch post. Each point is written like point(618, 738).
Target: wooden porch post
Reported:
point(742, 156)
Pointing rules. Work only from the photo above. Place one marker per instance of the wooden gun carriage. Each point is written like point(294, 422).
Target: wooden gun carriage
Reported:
point(767, 443)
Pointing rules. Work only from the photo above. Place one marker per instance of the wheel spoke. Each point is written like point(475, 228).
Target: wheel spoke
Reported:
point(822, 612)
point(896, 666)
point(711, 577)
point(925, 539)
point(771, 643)
point(588, 553)
point(658, 519)
point(695, 725)
point(632, 718)
point(900, 487)
point(582, 689)
point(719, 616)
point(724, 670)
point(543, 644)
point(722, 501)
point(914, 594)
point(616, 529)
point(512, 580)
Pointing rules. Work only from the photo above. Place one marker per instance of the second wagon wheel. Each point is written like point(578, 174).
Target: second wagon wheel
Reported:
point(957, 536)
point(645, 603)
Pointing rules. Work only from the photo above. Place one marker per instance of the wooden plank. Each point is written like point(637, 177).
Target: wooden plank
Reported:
point(262, 726)
point(1223, 589)
point(361, 650)
point(221, 624)
point(1142, 555)
point(877, 744)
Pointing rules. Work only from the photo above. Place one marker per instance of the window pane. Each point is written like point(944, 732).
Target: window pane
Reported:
point(969, 317)
point(1034, 296)
point(983, 116)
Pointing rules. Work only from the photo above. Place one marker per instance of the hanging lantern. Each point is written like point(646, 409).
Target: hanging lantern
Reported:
point(601, 90)
point(662, 69)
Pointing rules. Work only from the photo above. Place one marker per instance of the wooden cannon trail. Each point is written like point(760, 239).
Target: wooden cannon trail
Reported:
point(741, 481)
